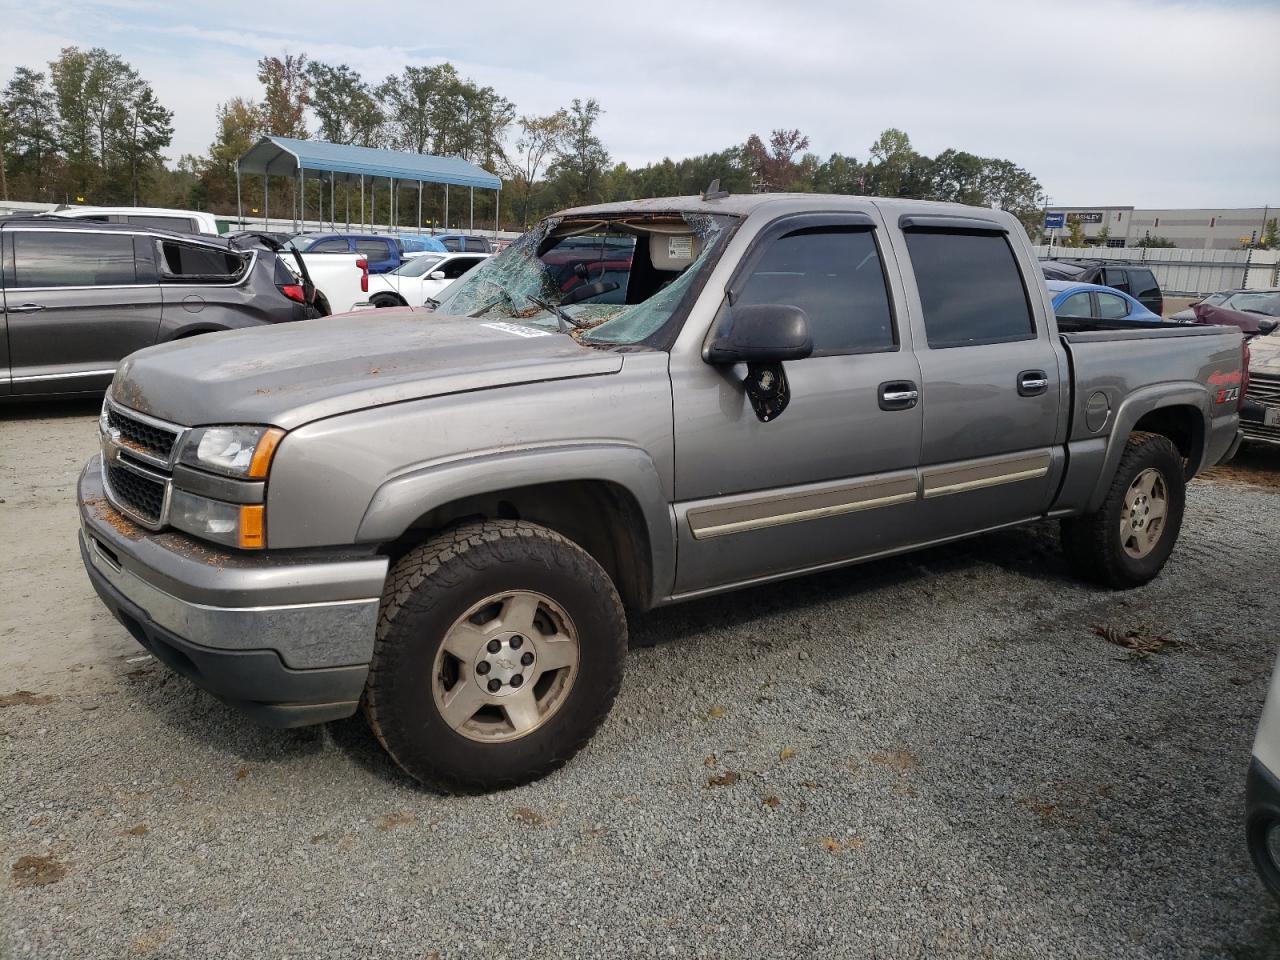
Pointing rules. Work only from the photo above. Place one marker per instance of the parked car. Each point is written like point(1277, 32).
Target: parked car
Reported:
point(1084, 301)
point(1262, 791)
point(420, 279)
point(161, 218)
point(78, 297)
point(441, 516)
point(1249, 311)
point(383, 252)
point(469, 243)
point(1137, 281)
point(1265, 301)
point(1260, 415)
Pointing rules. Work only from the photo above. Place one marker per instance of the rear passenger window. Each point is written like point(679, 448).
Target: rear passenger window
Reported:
point(189, 263)
point(1111, 307)
point(835, 277)
point(477, 246)
point(372, 249)
point(1142, 283)
point(1075, 307)
point(331, 245)
point(72, 259)
point(1117, 279)
point(970, 288)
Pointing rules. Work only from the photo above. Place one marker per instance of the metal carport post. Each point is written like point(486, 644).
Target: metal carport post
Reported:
point(239, 208)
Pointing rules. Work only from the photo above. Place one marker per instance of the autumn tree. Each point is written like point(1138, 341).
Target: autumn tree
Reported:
point(540, 140)
point(286, 93)
point(773, 167)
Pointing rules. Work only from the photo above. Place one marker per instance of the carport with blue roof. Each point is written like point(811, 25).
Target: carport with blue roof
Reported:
point(288, 157)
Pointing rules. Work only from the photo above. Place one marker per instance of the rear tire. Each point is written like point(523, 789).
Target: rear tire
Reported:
point(1130, 537)
point(388, 300)
point(499, 652)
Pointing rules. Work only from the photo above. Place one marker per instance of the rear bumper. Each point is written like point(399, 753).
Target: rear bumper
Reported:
point(285, 638)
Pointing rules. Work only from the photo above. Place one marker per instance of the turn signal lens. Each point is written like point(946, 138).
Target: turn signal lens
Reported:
point(253, 527)
point(263, 453)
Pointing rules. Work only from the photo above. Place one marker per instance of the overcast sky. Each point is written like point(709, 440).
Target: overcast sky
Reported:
point(1105, 101)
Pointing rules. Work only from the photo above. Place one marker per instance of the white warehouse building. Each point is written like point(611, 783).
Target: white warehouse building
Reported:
point(1221, 228)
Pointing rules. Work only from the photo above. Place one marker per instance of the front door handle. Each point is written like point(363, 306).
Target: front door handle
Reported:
point(898, 395)
point(25, 308)
point(1032, 383)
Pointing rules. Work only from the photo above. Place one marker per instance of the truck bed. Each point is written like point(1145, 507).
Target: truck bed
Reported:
point(1093, 331)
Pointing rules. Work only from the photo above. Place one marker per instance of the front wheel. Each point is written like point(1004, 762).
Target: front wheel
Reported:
point(1129, 539)
point(499, 652)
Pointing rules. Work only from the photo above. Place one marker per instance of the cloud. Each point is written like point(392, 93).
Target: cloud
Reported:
point(1106, 101)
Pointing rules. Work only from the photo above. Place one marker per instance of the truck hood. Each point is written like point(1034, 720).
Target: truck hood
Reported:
point(1264, 355)
point(292, 373)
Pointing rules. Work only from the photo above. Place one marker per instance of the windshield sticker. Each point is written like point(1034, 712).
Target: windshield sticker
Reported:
point(680, 248)
point(517, 329)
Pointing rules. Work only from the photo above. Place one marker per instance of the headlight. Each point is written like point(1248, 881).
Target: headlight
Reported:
point(235, 524)
point(243, 452)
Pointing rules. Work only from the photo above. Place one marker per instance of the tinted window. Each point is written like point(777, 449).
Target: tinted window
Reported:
point(1111, 307)
point(1116, 278)
point(70, 259)
point(1143, 284)
point(452, 243)
point(836, 279)
point(373, 249)
point(191, 263)
point(1075, 306)
point(176, 224)
point(477, 246)
point(458, 266)
point(970, 289)
point(332, 245)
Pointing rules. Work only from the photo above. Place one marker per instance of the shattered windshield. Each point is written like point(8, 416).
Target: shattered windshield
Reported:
point(616, 280)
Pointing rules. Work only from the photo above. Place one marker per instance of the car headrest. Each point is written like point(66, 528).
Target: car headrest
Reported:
point(673, 251)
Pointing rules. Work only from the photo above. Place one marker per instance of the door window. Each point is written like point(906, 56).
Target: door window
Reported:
point(48, 258)
point(373, 249)
point(835, 277)
point(477, 246)
point(970, 288)
point(457, 266)
point(1143, 283)
point(1119, 279)
point(1075, 307)
point(332, 245)
point(1111, 307)
point(192, 263)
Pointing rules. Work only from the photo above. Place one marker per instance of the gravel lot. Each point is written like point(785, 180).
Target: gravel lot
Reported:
point(937, 757)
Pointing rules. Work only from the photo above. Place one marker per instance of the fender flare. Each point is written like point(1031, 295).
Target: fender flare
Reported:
point(1132, 409)
point(402, 499)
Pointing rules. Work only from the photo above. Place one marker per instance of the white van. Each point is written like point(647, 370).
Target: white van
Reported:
point(179, 221)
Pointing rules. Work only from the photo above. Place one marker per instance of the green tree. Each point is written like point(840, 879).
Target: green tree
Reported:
point(31, 125)
point(286, 93)
point(70, 78)
point(147, 129)
point(896, 169)
point(1152, 242)
point(540, 140)
point(214, 177)
point(1270, 235)
point(582, 161)
point(345, 106)
point(1075, 232)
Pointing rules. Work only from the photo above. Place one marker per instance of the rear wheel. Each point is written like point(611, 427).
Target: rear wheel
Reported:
point(499, 652)
point(387, 300)
point(1129, 539)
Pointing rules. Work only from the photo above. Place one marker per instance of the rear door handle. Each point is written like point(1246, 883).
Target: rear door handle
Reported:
point(1032, 383)
point(898, 395)
point(25, 308)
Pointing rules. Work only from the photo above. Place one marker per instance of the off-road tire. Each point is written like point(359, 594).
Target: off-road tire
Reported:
point(427, 590)
point(1092, 543)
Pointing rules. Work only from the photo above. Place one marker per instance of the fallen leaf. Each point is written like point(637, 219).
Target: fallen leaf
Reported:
point(897, 759)
point(25, 698)
point(840, 846)
point(1141, 645)
point(140, 830)
point(726, 779)
point(771, 801)
point(242, 773)
point(37, 871)
point(393, 820)
point(528, 816)
point(715, 713)
point(709, 760)
point(786, 753)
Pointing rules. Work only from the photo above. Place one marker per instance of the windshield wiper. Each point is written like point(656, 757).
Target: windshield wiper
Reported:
point(491, 304)
point(562, 315)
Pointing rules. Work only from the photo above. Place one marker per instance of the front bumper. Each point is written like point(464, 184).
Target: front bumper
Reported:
point(285, 637)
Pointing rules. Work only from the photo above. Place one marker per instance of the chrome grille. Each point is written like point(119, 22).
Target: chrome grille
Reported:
point(1264, 389)
point(136, 494)
point(146, 438)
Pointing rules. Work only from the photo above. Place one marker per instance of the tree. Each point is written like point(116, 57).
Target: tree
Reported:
point(32, 130)
point(239, 128)
point(896, 169)
point(1270, 235)
point(286, 93)
point(582, 159)
point(70, 79)
point(541, 139)
point(345, 106)
point(773, 167)
point(1151, 242)
point(146, 131)
point(1075, 232)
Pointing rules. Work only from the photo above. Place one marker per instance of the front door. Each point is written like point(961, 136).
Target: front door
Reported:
point(76, 305)
point(991, 381)
point(833, 477)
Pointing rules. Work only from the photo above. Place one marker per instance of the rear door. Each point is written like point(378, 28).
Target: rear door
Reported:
point(991, 377)
point(383, 255)
point(77, 301)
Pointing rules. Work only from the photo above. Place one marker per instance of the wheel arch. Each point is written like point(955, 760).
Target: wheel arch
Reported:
point(607, 498)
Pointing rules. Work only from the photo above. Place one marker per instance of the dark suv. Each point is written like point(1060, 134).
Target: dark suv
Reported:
point(78, 297)
point(1138, 282)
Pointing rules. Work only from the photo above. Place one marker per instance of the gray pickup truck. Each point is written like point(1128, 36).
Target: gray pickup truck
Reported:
point(440, 516)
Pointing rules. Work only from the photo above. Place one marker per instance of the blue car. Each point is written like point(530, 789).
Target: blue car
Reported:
point(413, 243)
point(383, 252)
point(1091, 301)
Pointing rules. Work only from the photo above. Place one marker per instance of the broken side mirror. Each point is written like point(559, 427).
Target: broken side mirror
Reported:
point(762, 336)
